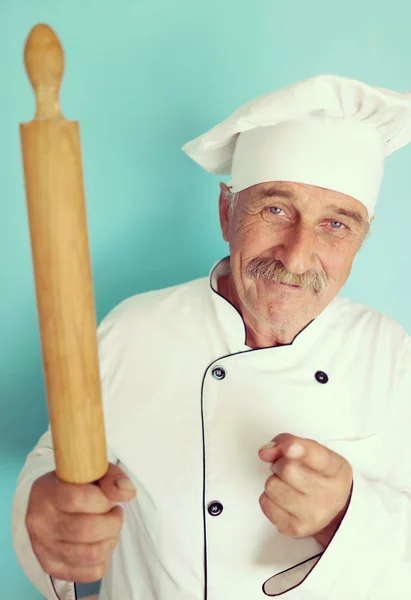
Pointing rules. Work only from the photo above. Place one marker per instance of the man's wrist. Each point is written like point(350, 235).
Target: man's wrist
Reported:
point(325, 536)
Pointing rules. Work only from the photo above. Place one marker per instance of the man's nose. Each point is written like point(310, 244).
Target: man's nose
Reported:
point(297, 252)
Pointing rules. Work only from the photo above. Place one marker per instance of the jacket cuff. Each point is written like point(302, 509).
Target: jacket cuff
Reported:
point(51, 588)
point(356, 555)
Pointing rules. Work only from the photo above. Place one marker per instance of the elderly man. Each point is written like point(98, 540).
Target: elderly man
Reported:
point(262, 420)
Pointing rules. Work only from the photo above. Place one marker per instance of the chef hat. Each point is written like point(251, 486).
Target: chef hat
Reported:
point(328, 131)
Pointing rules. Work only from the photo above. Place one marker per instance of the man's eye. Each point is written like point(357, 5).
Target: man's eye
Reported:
point(337, 225)
point(275, 210)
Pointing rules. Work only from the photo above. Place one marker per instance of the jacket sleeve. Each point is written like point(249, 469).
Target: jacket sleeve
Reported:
point(41, 461)
point(38, 462)
point(369, 557)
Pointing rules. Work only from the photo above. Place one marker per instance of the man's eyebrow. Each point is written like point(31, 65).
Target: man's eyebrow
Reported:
point(347, 212)
point(273, 192)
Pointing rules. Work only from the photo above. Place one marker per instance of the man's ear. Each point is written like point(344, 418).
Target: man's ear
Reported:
point(224, 208)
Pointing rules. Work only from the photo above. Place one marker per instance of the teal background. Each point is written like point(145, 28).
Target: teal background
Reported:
point(142, 78)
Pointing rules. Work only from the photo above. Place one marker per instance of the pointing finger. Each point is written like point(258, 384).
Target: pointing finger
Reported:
point(311, 454)
point(308, 452)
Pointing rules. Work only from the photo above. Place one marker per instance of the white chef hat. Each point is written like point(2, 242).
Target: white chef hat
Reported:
point(328, 131)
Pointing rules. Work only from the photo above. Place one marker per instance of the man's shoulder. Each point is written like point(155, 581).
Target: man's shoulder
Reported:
point(369, 322)
point(156, 306)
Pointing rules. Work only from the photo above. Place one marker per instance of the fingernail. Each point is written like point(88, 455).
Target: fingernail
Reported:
point(268, 446)
point(125, 485)
point(295, 451)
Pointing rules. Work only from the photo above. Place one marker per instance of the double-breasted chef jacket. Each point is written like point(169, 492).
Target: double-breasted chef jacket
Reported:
point(187, 406)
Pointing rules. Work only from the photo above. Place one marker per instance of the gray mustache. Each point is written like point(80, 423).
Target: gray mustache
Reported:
point(275, 271)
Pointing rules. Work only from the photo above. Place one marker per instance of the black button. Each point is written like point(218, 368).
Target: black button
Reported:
point(321, 377)
point(215, 509)
point(218, 373)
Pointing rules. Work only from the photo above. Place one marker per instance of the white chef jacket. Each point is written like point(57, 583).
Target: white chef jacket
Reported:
point(187, 406)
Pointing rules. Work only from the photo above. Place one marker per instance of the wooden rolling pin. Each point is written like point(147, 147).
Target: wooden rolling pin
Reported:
point(53, 175)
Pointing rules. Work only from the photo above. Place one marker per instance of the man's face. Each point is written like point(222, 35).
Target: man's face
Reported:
point(292, 247)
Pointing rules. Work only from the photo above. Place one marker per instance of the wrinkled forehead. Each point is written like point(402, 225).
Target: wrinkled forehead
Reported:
point(307, 198)
point(302, 192)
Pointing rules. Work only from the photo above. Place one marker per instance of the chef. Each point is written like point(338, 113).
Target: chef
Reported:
point(263, 419)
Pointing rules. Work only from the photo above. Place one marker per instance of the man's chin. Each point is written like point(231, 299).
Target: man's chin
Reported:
point(282, 307)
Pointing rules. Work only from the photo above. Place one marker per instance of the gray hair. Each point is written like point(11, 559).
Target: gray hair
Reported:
point(232, 197)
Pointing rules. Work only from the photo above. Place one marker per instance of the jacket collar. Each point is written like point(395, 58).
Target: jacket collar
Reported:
point(233, 329)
